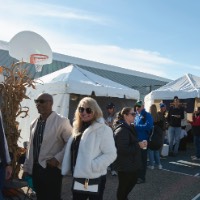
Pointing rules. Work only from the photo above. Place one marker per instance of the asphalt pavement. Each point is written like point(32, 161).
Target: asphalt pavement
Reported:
point(178, 180)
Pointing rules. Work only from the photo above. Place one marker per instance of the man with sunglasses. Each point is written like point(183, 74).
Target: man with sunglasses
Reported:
point(111, 115)
point(143, 124)
point(49, 134)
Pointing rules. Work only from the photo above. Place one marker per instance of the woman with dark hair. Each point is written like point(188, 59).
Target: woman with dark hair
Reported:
point(89, 151)
point(128, 160)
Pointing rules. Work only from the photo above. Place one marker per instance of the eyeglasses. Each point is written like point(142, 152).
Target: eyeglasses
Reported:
point(87, 110)
point(40, 101)
point(133, 114)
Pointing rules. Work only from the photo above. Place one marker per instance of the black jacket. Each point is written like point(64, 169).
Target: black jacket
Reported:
point(128, 149)
point(174, 121)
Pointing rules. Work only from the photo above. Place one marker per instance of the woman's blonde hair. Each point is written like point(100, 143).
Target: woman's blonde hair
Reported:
point(96, 110)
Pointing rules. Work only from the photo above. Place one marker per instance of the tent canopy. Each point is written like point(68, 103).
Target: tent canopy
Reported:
point(185, 87)
point(73, 79)
point(62, 84)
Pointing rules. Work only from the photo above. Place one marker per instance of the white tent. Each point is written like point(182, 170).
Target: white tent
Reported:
point(185, 87)
point(73, 79)
point(70, 80)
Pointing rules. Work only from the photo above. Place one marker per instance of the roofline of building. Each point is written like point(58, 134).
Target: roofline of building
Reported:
point(4, 45)
point(80, 61)
point(84, 62)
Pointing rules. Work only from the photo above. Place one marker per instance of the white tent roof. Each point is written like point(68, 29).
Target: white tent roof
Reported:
point(61, 84)
point(73, 79)
point(185, 87)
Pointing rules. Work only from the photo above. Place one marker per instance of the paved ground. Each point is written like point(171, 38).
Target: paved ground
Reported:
point(179, 180)
point(160, 185)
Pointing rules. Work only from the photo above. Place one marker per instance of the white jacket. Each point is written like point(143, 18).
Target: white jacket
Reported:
point(96, 152)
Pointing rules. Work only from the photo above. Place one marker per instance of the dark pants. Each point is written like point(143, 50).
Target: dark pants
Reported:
point(111, 166)
point(127, 181)
point(2, 180)
point(81, 196)
point(47, 182)
point(142, 171)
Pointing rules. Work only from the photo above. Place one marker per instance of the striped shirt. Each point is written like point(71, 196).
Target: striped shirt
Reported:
point(37, 140)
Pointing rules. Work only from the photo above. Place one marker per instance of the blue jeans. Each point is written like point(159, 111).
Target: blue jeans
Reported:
point(174, 134)
point(154, 157)
point(2, 179)
point(197, 145)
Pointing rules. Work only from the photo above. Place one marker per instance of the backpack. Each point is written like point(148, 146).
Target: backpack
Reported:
point(156, 138)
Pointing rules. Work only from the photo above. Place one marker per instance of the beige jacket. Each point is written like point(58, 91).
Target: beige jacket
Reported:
point(56, 133)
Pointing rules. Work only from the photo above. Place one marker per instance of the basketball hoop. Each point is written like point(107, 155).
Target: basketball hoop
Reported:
point(37, 60)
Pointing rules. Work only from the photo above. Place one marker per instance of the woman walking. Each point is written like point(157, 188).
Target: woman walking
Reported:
point(128, 160)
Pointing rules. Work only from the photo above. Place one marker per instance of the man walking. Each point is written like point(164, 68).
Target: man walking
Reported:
point(111, 115)
point(49, 134)
point(175, 115)
point(143, 124)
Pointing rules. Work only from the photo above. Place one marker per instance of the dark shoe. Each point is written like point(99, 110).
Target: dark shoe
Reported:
point(139, 181)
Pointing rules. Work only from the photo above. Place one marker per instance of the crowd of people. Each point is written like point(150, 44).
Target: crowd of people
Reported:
point(96, 143)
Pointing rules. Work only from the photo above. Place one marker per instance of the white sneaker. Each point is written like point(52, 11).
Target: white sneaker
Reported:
point(150, 167)
point(195, 158)
point(114, 173)
point(159, 166)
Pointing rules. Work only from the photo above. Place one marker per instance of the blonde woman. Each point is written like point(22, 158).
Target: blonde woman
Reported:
point(90, 150)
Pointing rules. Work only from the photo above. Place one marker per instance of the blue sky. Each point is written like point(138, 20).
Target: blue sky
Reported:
point(161, 37)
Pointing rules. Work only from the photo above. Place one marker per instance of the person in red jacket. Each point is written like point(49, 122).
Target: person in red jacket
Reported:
point(196, 132)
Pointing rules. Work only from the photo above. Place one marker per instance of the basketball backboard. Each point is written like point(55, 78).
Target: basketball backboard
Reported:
point(30, 47)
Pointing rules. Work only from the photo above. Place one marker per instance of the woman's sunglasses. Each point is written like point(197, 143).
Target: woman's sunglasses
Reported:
point(133, 113)
point(87, 110)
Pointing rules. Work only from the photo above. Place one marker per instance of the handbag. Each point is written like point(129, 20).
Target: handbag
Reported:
point(86, 186)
